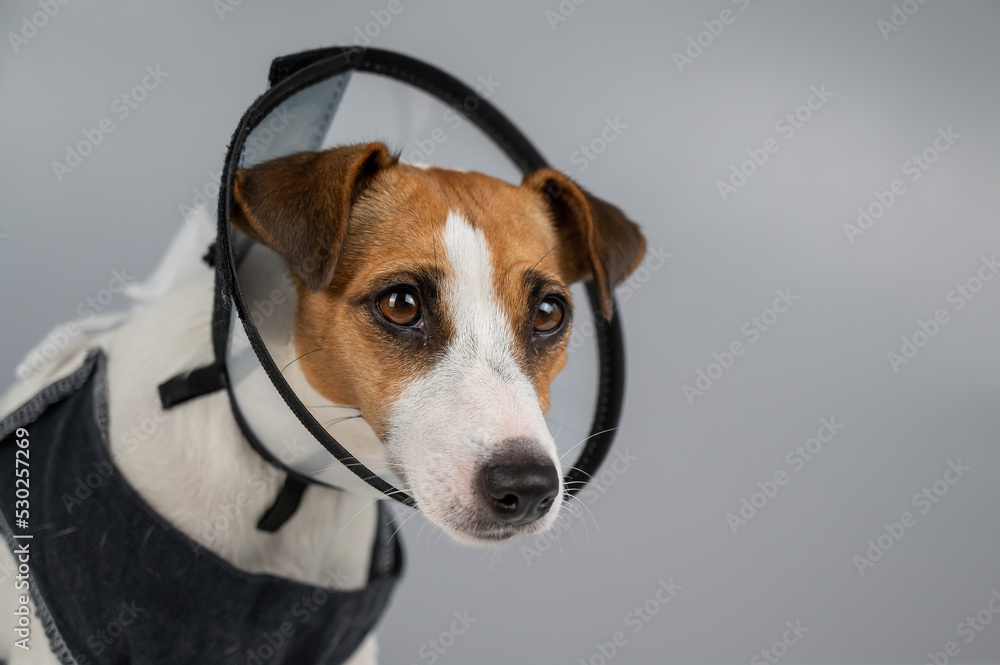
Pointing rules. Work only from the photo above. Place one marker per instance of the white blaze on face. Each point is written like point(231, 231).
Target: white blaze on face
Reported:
point(448, 423)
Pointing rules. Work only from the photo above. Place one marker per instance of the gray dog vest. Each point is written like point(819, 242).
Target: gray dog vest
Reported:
point(114, 583)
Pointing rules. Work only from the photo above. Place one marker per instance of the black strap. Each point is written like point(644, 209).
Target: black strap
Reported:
point(284, 506)
point(204, 380)
point(209, 257)
point(190, 384)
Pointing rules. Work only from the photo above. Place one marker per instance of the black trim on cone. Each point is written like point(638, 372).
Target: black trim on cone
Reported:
point(293, 73)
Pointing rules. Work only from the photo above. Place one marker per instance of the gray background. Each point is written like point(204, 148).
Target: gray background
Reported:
point(665, 516)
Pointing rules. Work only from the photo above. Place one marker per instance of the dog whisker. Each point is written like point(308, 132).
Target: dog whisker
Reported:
point(368, 456)
point(564, 523)
point(589, 512)
point(573, 510)
point(322, 348)
point(340, 420)
point(565, 242)
point(363, 509)
point(420, 531)
point(431, 541)
point(316, 472)
point(402, 524)
point(396, 516)
point(402, 492)
point(610, 429)
point(559, 431)
point(589, 477)
point(359, 461)
point(333, 406)
point(494, 559)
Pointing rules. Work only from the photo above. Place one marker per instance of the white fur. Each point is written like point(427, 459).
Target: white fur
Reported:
point(195, 463)
point(446, 424)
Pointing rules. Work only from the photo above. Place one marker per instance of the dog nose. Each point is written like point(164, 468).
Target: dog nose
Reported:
point(520, 491)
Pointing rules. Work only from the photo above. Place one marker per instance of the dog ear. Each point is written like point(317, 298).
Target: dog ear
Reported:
point(299, 205)
point(601, 243)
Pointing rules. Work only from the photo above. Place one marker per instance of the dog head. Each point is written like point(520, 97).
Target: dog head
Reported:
point(439, 300)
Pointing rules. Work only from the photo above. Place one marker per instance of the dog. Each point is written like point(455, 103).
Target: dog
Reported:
point(436, 302)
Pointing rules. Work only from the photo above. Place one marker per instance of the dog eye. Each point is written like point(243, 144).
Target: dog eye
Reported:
point(549, 315)
point(400, 306)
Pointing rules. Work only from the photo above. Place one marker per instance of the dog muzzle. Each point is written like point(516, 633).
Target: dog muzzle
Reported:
point(344, 95)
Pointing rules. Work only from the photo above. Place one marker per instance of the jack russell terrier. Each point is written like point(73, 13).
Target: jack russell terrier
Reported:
point(434, 302)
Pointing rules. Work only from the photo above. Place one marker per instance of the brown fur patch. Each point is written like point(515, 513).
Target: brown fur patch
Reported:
point(394, 236)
